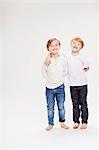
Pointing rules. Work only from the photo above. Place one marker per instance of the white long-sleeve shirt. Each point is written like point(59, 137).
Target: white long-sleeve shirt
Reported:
point(76, 75)
point(55, 73)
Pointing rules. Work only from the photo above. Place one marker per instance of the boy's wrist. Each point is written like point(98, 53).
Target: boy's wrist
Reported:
point(86, 68)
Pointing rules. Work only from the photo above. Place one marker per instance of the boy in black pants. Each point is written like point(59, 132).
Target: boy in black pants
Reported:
point(77, 67)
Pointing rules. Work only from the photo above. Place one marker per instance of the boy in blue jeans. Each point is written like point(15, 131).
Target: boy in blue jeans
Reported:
point(54, 75)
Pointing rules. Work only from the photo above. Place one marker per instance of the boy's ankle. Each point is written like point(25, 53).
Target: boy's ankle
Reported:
point(76, 125)
point(49, 127)
point(83, 126)
point(63, 125)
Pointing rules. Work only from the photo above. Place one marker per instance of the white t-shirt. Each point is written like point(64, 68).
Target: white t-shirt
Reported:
point(76, 74)
point(55, 73)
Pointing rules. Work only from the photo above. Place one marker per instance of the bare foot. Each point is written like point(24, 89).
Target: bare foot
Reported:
point(83, 126)
point(76, 125)
point(49, 128)
point(63, 125)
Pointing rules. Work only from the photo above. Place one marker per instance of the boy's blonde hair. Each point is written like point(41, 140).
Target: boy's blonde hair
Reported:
point(78, 39)
point(50, 41)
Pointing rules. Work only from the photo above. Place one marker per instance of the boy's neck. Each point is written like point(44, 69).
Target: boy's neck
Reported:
point(54, 55)
point(75, 53)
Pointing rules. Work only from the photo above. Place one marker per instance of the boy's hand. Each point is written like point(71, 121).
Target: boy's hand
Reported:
point(48, 60)
point(86, 69)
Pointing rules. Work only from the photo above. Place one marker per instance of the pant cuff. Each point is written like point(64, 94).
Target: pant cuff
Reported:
point(62, 120)
point(85, 122)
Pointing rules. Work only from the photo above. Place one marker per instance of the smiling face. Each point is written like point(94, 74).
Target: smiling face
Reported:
point(54, 47)
point(76, 46)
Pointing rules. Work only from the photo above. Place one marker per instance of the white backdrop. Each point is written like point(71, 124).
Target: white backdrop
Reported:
point(25, 28)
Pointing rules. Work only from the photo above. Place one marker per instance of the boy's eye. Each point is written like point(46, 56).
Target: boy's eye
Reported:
point(74, 42)
point(54, 45)
point(78, 44)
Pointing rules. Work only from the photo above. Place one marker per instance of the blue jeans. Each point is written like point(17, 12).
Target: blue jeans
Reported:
point(58, 94)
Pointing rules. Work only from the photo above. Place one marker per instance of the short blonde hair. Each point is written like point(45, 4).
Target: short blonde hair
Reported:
point(50, 41)
point(78, 39)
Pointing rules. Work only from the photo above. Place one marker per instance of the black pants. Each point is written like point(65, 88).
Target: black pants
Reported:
point(79, 101)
